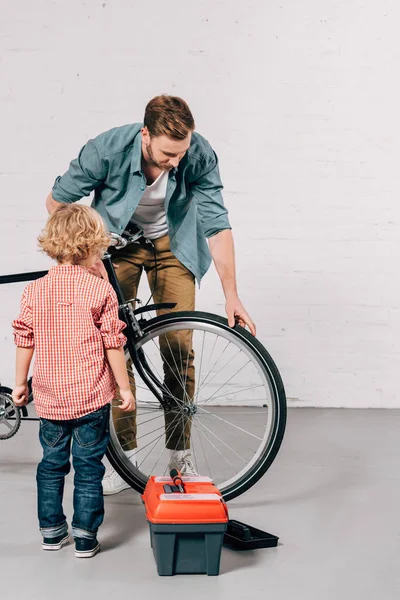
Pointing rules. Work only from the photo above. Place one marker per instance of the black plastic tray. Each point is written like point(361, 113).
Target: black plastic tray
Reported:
point(245, 537)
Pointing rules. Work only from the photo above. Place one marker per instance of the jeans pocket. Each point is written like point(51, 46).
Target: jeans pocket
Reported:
point(92, 429)
point(51, 432)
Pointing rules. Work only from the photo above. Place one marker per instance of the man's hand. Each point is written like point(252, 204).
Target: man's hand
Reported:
point(20, 395)
point(237, 314)
point(99, 269)
point(222, 251)
point(128, 402)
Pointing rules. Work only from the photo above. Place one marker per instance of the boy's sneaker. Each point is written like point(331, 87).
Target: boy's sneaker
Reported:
point(181, 460)
point(56, 543)
point(86, 548)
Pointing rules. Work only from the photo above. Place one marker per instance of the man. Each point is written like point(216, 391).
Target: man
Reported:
point(164, 177)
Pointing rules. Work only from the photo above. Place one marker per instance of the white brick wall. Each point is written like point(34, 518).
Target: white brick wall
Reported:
point(301, 102)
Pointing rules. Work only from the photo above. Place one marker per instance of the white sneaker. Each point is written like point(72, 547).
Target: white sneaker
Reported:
point(181, 460)
point(112, 482)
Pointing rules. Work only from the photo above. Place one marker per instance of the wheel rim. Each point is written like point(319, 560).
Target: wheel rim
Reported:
point(235, 396)
point(10, 417)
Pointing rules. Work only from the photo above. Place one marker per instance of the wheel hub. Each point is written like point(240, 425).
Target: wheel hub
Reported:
point(189, 409)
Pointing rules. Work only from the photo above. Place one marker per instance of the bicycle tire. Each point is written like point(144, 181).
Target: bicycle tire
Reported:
point(138, 480)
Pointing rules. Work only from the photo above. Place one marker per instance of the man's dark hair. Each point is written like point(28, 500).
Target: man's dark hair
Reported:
point(170, 116)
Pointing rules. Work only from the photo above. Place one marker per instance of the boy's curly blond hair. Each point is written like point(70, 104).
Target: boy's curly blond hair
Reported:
point(72, 233)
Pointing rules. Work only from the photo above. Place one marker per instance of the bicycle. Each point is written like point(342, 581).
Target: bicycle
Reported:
point(237, 414)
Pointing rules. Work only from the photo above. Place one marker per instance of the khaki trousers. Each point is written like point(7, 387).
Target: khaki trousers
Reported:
point(174, 283)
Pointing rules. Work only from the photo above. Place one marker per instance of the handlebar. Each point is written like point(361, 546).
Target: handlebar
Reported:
point(128, 237)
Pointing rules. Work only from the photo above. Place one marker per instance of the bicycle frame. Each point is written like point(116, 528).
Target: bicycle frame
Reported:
point(134, 333)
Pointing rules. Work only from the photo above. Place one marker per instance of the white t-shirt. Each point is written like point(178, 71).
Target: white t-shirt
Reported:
point(150, 213)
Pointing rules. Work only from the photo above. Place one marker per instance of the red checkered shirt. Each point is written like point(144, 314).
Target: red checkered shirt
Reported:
point(70, 316)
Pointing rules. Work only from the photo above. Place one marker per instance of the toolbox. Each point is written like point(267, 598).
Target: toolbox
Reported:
point(186, 527)
point(241, 536)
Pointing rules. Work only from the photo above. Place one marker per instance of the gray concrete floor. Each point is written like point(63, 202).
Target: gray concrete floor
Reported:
point(332, 496)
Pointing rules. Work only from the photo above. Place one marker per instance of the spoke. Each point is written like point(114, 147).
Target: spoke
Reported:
point(163, 448)
point(216, 362)
point(230, 379)
point(232, 424)
point(123, 431)
point(141, 387)
point(187, 363)
point(225, 444)
point(214, 345)
point(184, 381)
point(225, 365)
point(157, 374)
point(150, 432)
point(250, 412)
point(155, 370)
point(205, 455)
point(215, 448)
point(142, 423)
point(180, 355)
point(150, 412)
point(239, 391)
point(143, 447)
point(157, 459)
point(231, 434)
point(201, 364)
point(178, 376)
point(5, 422)
point(151, 450)
point(192, 448)
point(181, 421)
point(148, 420)
point(166, 362)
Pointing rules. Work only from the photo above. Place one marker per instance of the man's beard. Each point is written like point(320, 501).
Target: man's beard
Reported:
point(153, 160)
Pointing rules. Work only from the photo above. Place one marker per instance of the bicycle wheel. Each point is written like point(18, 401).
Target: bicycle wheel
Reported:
point(10, 415)
point(236, 414)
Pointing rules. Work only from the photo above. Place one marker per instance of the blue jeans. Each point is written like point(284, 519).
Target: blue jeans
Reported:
point(89, 436)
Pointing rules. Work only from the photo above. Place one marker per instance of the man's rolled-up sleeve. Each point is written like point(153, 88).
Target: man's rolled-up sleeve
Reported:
point(85, 173)
point(210, 204)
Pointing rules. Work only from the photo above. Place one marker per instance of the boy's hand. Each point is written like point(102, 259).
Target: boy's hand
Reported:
point(128, 401)
point(20, 395)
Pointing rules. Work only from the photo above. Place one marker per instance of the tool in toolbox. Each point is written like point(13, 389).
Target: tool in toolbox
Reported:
point(178, 483)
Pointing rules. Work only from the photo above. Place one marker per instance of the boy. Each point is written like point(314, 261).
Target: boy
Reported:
point(70, 318)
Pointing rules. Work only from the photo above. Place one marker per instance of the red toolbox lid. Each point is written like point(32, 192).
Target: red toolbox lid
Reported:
point(201, 503)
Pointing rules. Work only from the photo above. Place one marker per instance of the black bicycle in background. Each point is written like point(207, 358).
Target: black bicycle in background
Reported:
point(237, 413)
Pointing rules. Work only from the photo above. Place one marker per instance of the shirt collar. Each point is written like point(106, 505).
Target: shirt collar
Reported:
point(63, 268)
point(136, 162)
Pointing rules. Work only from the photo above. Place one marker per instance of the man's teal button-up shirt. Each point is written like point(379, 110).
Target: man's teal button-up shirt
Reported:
point(111, 165)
